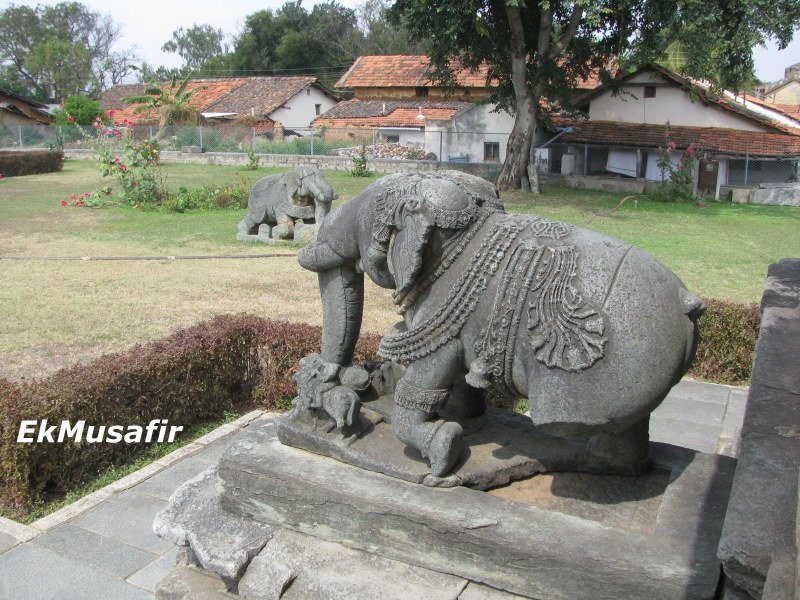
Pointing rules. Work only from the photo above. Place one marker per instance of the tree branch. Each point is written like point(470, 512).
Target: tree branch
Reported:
point(574, 22)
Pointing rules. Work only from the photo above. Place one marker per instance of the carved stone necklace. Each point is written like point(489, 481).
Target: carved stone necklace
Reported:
point(447, 321)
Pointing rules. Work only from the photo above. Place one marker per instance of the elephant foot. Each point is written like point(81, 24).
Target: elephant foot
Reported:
point(439, 441)
point(624, 452)
point(444, 447)
point(283, 231)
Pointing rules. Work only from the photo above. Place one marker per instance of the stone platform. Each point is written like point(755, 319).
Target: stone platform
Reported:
point(499, 446)
point(548, 537)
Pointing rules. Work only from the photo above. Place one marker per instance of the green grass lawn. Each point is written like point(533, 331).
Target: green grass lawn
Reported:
point(720, 250)
point(57, 313)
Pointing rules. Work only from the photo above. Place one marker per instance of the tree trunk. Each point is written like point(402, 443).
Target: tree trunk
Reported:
point(518, 148)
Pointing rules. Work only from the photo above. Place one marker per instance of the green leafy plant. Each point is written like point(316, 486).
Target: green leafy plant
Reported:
point(78, 110)
point(171, 101)
point(360, 164)
point(253, 161)
point(676, 181)
point(233, 194)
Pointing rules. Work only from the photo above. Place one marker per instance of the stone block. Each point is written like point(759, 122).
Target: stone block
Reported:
point(96, 550)
point(7, 542)
point(740, 195)
point(151, 574)
point(305, 233)
point(782, 196)
point(297, 566)
point(135, 528)
point(190, 583)
point(476, 591)
point(514, 546)
point(30, 572)
point(783, 284)
point(525, 449)
point(758, 546)
point(222, 542)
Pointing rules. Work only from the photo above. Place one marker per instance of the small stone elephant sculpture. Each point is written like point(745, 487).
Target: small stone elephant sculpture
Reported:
point(318, 388)
point(301, 195)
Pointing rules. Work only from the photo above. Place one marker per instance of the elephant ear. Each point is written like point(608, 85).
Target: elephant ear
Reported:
point(292, 181)
point(407, 249)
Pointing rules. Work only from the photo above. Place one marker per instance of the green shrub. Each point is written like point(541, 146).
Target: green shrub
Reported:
point(192, 376)
point(728, 334)
point(83, 111)
point(30, 162)
point(360, 164)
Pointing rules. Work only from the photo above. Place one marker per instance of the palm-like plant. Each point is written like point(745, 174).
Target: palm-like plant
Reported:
point(172, 101)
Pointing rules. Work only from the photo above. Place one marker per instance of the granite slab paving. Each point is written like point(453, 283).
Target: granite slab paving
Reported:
point(7, 542)
point(111, 555)
point(114, 553)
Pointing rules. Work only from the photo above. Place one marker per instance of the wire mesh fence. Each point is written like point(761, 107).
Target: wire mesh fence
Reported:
point(418, 143)
point(709, 168)
point(413, 143)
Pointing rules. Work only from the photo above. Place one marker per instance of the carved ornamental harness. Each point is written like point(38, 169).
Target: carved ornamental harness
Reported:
point(536, 282)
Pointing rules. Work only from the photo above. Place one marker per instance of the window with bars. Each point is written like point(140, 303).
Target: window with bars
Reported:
point(491, 151)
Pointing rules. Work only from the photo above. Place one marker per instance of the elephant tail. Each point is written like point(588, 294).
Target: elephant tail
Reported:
point(693, 306)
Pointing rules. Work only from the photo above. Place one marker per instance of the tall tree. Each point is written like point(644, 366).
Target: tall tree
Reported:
point(60, 50)
point(377, 34)
point(543, 49)
point(200, 46)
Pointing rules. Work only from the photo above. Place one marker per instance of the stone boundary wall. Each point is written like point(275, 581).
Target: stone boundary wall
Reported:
point(758, 545)
point(335, 163)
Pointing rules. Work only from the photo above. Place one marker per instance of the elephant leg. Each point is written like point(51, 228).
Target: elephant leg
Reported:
point(419, 396)
point(284, 230)
point(624, 452)
point(465, 401)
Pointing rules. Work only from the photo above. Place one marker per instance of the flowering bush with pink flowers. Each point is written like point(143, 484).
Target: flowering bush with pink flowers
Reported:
point(677, 181)
point(134, 164)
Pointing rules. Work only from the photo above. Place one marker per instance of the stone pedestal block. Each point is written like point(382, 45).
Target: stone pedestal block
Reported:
point(559, 538)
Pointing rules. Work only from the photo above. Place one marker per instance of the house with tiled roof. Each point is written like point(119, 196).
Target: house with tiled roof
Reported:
point(292, 102)
point(18, 110)
point(397, 97)
point(742, 141)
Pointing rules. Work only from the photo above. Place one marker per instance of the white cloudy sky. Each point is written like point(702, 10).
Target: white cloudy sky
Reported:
point(150, 23)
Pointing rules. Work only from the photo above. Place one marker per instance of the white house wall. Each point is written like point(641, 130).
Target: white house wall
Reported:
point(414, 138)
point(466, 134)
point(670, 104)
point(299, 110)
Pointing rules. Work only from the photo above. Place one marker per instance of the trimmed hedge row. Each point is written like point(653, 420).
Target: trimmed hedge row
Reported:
point(728, 334)
point(233, 361)
point(189, 377)
point(14, 162)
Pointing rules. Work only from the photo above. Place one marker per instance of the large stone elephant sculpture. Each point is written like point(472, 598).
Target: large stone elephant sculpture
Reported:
point(593, 331)
point(279, 201)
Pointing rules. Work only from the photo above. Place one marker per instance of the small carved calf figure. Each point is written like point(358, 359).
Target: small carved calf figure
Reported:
point(318, 388)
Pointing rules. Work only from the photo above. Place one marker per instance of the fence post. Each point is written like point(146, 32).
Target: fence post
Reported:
point(253, 139)
point(19, 134)
point(441, 158)
point(150, 129)
point(746, 167)
point(585, 159)
point(312, 142)
point(201, 137)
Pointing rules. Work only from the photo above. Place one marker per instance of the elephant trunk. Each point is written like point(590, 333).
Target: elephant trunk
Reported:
point(342, 291)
